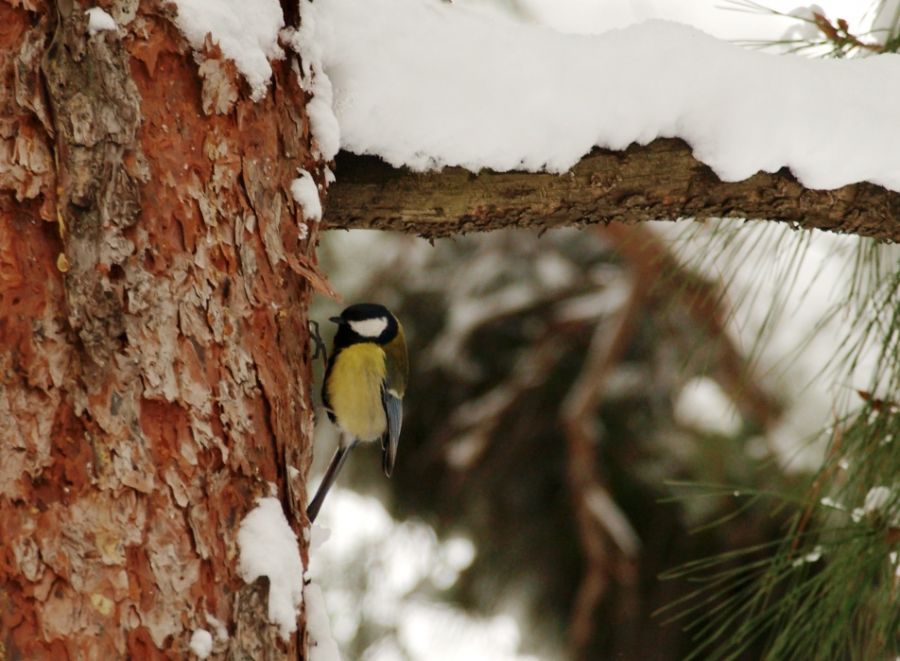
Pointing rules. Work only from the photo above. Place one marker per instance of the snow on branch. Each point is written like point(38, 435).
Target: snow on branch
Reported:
point(428, 84)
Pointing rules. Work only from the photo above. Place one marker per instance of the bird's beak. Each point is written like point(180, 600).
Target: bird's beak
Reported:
point(336, 320)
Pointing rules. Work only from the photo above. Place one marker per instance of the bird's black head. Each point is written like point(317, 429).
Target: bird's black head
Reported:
point(365, 322)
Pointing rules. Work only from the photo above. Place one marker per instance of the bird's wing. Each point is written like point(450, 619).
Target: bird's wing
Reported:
point(326, 400)
point(393, 410)
point(392, 392)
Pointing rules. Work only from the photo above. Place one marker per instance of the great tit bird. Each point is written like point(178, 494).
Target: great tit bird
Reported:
point(365, 379)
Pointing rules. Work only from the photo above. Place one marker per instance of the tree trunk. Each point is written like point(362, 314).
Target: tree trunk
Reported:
point(155, 374)
point(660, 181)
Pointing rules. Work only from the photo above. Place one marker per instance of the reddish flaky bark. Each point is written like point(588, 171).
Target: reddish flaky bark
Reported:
point(154, 373)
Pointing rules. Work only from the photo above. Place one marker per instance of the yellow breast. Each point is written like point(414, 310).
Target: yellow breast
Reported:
point(354, 391)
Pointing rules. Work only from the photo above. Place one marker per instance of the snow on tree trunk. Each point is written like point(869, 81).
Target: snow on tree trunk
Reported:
point(155, 375)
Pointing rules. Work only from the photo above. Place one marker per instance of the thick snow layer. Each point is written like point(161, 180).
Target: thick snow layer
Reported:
point(201, 643)
point(99, 20)
point(428, 84)
point(247, 32)
point(268, 548)
point(721, 18)
point(305, 193)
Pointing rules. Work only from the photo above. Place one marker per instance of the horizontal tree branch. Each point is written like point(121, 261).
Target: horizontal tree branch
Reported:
point(659, 181)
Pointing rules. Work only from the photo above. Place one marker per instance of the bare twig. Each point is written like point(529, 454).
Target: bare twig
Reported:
point(479, 419)
point(663, 277)
point(596, 513)
point(838, 33)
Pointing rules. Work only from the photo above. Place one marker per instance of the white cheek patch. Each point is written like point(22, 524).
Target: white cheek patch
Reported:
point(369, 327)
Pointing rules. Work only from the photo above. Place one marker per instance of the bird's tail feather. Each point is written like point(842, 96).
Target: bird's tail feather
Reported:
point(337, 461)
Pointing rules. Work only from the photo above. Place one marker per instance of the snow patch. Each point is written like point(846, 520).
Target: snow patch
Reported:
point(876, 499)
point(218, 626)
point(703, 405)
point(99, 20)
point(247, 32)
point(306, 194)
point(322, 121)
point(318, 535)
point(883, 500)
point(268, 547)
point(429, 84)
point(813, 556)
point(323, 647)
point(201, 643)
point(879, 501)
